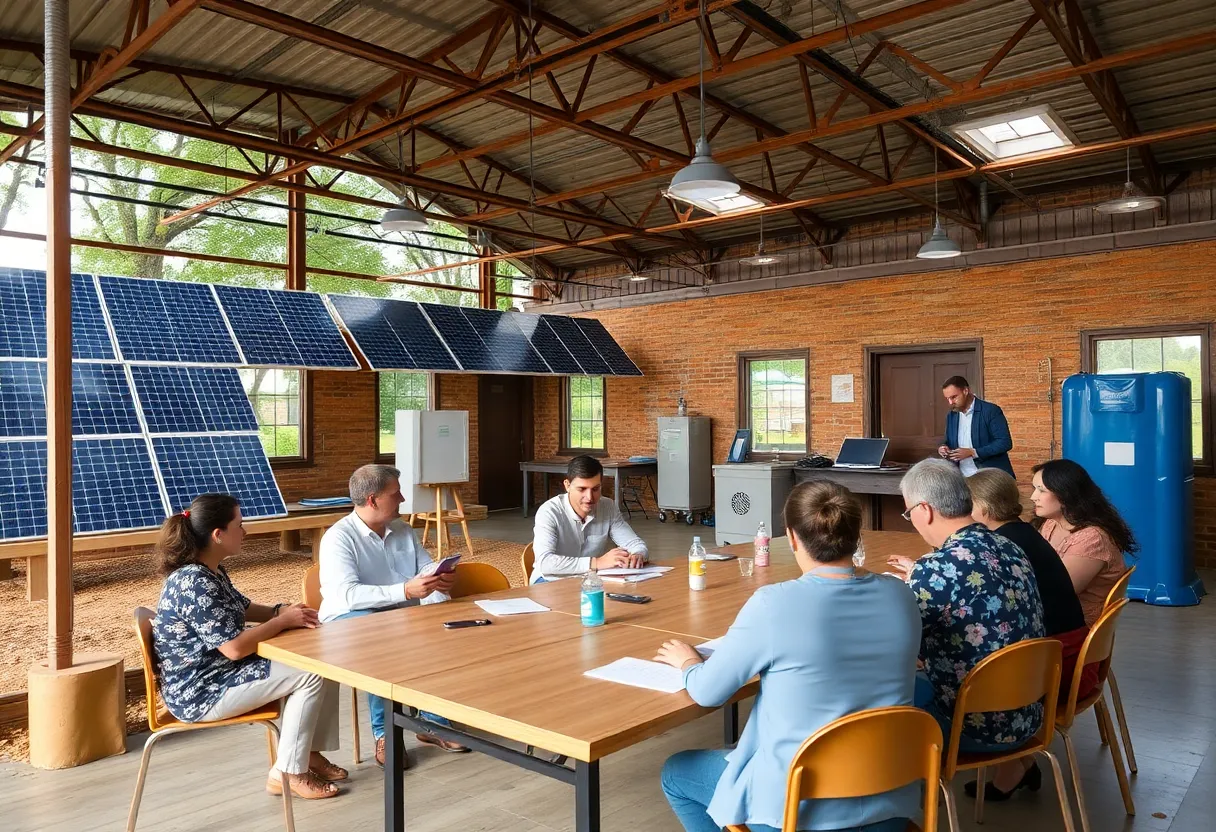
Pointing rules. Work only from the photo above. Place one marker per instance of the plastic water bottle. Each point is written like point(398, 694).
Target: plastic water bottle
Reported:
point(591, 600)
point(859, 556)
point(762, 545)
point(696, 565)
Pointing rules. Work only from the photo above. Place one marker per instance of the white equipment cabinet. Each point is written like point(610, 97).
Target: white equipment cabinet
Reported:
point(747, 493)
point(432, 447)
point(685, 459)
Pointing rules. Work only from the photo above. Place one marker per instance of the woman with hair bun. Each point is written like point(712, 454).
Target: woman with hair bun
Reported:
point(812, 642)
point(207, 658)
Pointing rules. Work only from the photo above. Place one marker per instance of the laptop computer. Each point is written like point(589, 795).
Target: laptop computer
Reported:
point(861, 453)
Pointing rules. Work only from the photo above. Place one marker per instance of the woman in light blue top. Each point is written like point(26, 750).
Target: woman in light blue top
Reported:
point(828, 644)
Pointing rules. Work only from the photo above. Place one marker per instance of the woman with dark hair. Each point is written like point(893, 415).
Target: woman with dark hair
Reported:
point(207, 659)
point(1084, 528)
point(812, 643)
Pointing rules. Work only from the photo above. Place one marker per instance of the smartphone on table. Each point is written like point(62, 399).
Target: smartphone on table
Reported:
point(448, 565)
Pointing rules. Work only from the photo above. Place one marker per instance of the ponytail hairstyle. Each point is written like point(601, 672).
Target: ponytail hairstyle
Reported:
point(184, 536)
point(826, 519)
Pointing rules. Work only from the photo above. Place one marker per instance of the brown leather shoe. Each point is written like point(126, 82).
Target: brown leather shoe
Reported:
point(405, 758)
point(450, 747)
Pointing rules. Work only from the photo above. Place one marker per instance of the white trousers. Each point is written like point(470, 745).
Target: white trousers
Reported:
point(310, 714)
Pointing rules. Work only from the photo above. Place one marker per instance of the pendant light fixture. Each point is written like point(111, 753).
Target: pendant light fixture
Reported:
point(703, 178)
point(762, 258)
point(405, 217)
point(1132, 199)
point(939, 246)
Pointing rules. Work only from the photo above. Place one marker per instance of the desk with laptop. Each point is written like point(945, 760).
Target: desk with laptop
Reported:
point(860, 468)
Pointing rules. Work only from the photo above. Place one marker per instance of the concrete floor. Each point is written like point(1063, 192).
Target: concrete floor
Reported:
point(1165, 662)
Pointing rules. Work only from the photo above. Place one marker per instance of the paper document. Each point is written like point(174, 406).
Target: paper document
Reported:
point(718, 556)
point(511, 606)
point(632, 579)
point(622, 570)
point(639, 673)
point(707, 648)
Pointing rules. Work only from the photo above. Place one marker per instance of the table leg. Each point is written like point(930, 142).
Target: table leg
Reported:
point(6, 570)
point(730, 724)
point(289, 540)
point(616, 489)
point(394, 772)
point(527, 482)
point(586, 796)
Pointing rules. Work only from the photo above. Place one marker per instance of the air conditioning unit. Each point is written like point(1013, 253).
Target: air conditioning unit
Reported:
point(748, 493)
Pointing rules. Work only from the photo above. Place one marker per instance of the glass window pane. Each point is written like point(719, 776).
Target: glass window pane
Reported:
point(1197, 429)
point(777, 404)
point(1114, 356)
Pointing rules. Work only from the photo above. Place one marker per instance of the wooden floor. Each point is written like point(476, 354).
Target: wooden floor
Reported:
point(1165, 659)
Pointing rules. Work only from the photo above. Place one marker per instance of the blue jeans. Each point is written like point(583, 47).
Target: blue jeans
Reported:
point(689, 780)
point(923, 699)
point(376, 705)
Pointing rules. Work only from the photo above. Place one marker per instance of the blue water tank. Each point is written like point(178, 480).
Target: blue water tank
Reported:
point(1132, 433)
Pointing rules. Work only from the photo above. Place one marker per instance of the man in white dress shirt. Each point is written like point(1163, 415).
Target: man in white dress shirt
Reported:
point(573, 529)
point(371, 561)
point(977, 434)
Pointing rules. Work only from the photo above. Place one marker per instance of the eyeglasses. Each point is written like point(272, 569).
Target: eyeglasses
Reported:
point(907, 515)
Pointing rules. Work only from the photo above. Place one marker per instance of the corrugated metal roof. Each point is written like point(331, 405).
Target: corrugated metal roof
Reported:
point(1174, 91)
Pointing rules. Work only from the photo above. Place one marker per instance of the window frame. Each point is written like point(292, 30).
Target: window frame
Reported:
point(432, 397)
point(305, 458)
point(1090, 339)
point(564, 448)
point(743, 411)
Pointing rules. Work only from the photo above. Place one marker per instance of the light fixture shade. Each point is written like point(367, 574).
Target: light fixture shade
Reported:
point(938, 246)
point(762, 258)
point(703, 178)
point(1131, 200)
point(404, 217)
point(639, 278)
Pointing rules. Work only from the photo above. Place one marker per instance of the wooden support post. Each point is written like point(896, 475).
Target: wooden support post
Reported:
point(297, 240)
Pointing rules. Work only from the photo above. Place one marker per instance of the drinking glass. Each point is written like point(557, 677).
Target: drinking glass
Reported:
point(747, 566)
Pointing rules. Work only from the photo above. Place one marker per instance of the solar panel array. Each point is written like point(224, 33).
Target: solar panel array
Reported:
point(404, 335)
point(147, 437)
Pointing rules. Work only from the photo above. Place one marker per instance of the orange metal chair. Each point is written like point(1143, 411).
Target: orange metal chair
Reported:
point(1013, 677)
point(478, 579)
point(310, 591)
point(162, 723)
point(1117, 593)
point(1098, 647)
point(866, 753)
point(527, 560)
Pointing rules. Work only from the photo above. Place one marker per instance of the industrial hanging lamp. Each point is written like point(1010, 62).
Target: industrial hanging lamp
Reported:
point(404, 217)
point(703, 178)
point(1132, 199)
point(762, 258)
point(939, 246)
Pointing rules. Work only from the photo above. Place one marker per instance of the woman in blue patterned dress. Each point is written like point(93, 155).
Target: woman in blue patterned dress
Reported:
point(207, 658)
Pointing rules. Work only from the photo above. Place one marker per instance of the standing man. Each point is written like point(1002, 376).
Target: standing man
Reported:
point(572, 529)
point(371, 561)
point(977, 435)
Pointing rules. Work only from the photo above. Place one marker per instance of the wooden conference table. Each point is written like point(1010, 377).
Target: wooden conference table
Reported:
point(614, 468)
point(521, 680)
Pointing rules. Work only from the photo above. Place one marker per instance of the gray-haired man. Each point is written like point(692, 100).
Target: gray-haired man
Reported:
point(371, 561)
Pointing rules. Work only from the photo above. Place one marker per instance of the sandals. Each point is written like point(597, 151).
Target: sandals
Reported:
point(308, 786)
point(329, 772)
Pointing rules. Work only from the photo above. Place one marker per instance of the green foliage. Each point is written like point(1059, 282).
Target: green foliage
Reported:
point(14, 178)
point(1180, 354)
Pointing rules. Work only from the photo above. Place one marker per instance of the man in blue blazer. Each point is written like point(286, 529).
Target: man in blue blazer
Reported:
point(977, 435)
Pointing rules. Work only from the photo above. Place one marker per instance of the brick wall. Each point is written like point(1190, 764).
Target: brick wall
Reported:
point(459, 392)
point(1022, 313)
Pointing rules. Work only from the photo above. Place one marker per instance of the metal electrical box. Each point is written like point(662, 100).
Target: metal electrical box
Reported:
point(432, 448)
point(747, 493)
point(685, 459)
point(1132, 433)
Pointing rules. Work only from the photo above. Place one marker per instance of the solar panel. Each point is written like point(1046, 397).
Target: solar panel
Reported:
point(572, 337)
point(167, 321)
point(22, 489)
point(192, 399)
point(101, 401)
point(505, 341)
point(608, 348)
point(22, 313)
point(367, 323)
point(461, 338)
point(546, 343)
point(22, 399)
point(414, 331)
point(113, 486)
point(90, 337)
point(237, 465)
point(280, 328)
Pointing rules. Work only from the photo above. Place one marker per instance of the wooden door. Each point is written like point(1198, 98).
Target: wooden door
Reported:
point(504, 438)
point(912, 410)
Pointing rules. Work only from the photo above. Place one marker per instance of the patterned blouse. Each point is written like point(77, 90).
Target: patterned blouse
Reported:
point(977, 594)
point(198, 611)
point(1091, 543)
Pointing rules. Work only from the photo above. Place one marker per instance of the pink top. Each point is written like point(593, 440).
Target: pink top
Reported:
point(1089, 542)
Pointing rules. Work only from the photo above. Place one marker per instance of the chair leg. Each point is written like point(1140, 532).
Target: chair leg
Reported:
point(354, 724)
point(1117, 701)
point(1076, 779)
point(1117, 756)
point(951, 808)
point(272, 746)
point(144, 759)
point(1062, 789)
point(980, 783)
point(289, 818)
point(1102, 737)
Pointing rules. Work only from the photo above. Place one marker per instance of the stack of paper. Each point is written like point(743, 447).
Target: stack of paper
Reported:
point(634, 575)
point(511, 606)
point(639, 673)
